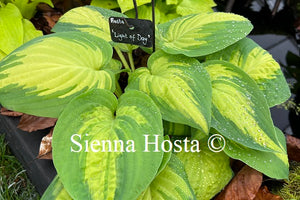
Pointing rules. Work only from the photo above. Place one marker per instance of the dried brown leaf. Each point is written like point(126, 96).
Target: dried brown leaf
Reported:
point(47, 20)
point(10, 113)
point(51, 18)
point(46, 147)
point(293, 148)
point(243, 186)
point(264, 194)
point(33, 123)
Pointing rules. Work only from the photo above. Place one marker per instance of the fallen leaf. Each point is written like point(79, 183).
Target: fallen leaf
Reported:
point(264, 194)
point(33, 123)
point(46, 147)
point(46, 18)
point(52, 18)
point(293, 148)
point(10, 113)
point(243, 186)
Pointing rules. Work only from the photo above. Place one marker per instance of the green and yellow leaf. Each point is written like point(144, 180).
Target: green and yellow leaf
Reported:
point(202, 34)
point(186, 7)
point(166, 158)
point(91, 168)
point(179, 86)
point(41, 77)
point(176, 129)
point(260, 66)
point(170, 184)
point(208, 172)
point(56, 191)
point(274, 165)
point(2, 55)
point(239, 109)
point(92, 20)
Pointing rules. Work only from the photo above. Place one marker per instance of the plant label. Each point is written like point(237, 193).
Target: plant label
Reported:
point(131, 31)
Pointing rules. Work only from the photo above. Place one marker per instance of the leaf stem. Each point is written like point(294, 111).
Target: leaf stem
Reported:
point(131, 60)
point(121, 56)
point(118, 91)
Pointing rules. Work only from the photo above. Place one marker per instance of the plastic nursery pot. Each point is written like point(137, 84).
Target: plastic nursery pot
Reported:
point(25, 146)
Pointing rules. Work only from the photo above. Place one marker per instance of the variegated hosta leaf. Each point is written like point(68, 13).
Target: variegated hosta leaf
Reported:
point(170, 184)
point(201, 34)
point(87, 150)
point(2, 54)
point(114, 66)
point(208, 172)
point(274, 165)
point(41, 77)
point(56, 191)
point(166, 158)
point(186, 7)
point(14, 30)
point(92, 20)
point(179, 85)
point(239, 109)
point(260, 66)
point(176, 129)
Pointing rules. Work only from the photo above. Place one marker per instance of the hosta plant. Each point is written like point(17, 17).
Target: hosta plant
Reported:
point(148, 140)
